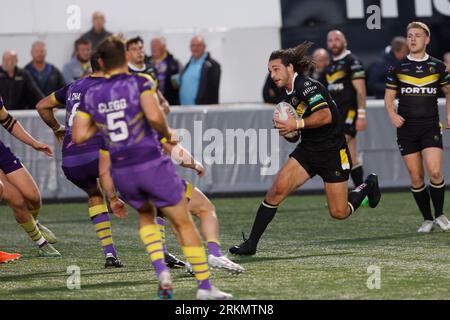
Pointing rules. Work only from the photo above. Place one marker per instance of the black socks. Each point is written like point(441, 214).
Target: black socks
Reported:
point(422, 197)
point(264, 216)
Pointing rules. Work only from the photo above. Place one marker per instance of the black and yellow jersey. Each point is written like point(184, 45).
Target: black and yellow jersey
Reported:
point(417, 84)
point(309, 96)
point(339, 75)
point(148, 69)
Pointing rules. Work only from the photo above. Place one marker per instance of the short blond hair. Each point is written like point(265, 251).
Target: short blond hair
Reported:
point(418, 25)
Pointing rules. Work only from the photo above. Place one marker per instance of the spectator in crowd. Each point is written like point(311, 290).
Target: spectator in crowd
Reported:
point(167, 69)
point(376, 81)
point(47, 76)
point(17, 87)
point(138, 64)
point(200, 79)
point(321, 60)
point(271, 93)
point(447, 60)
point(136, 58)
point(79, 66)
point(98, 32)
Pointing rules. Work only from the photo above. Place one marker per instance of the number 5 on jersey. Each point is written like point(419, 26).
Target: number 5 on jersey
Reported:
point(117, 127)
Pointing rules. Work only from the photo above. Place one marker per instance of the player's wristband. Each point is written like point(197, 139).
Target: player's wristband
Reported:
point(197, 166)
point(361, 113)
point(60, 128)
point(300, 124)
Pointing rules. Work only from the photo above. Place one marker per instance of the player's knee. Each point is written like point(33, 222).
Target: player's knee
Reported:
point(417, 180)
point(207, 209)
point(339, 213)
point(34, 200)
point(435, 175)
point(276, 194)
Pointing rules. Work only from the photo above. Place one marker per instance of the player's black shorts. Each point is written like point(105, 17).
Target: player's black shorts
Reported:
point(331, 166)
point(413, 137)
point(349, 115)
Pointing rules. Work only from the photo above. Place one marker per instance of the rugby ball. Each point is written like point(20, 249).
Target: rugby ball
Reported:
point(281, 113)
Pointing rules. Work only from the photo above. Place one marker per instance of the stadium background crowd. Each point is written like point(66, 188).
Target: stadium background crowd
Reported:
point(21, 88)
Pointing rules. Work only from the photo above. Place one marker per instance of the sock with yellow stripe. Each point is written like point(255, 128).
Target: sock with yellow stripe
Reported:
point(264, 216)
point(102, 224)
point(196, 256)
point(437, 193)
point(162, 230)
point(214, 248)
point(422, 197)
point(31, 228)
point(151, 238)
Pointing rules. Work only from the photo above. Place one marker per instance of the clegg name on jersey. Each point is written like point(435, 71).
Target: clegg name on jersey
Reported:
point(417, 84)
point(309, 96)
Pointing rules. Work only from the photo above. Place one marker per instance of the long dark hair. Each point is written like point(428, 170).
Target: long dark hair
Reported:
point(296, 56)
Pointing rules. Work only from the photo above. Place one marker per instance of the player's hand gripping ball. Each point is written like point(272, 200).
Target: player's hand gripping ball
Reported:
point(281, 112)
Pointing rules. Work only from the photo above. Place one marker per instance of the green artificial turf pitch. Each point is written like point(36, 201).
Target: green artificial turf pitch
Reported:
point(304, 254)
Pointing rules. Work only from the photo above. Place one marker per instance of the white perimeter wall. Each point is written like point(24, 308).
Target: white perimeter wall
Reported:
point(239, 34)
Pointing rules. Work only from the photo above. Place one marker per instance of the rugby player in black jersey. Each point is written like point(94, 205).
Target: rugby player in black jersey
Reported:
point(416, 81)
point(322, 150)
point(345, 79)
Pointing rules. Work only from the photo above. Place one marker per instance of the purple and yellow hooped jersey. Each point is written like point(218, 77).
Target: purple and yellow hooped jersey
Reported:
point(114, 105)
point(71, 96)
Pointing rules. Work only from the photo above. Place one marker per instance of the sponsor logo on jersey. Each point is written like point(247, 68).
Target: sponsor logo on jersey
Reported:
point(336, 87)
point(309, 89)
point(316, 98)
point(417, 90)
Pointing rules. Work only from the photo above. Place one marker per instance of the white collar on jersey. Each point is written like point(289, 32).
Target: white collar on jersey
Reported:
point(293, 81)
point(425, 58)
point(342, 55)
point(135, 68)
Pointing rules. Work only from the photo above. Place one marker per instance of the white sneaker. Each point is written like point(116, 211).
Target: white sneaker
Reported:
point(165, 290)
point(442, 222)
point(188, 269)
point(223, 262)
point(213, 294)
point(426, 226)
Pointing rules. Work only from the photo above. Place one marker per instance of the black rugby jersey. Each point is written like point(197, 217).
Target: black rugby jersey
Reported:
point(339, 75)
point(309, 96)
point(417, 84)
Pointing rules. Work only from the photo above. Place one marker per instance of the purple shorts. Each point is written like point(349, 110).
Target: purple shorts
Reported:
point(8, 161)
point(154, 181)
point(83, 176)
